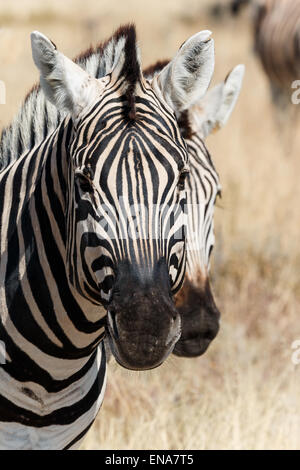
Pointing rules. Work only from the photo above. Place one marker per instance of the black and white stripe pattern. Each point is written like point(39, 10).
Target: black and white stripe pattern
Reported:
point(203, 187)
point(61, 181)
point(204, 117)
point(55, 371)
point(195, 301)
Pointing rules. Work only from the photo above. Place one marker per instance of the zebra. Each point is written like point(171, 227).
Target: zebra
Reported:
point(276, 28)
point(69, 269)
point(195, 302)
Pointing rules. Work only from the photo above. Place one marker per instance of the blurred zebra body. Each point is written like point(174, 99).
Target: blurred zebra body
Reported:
point(276, 26)
point(57, 287)
point(277, 43)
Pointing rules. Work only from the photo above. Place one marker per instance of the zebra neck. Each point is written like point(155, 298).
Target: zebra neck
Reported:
point(36, 299)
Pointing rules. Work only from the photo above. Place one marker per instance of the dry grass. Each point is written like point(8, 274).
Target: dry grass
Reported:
point(244, 393)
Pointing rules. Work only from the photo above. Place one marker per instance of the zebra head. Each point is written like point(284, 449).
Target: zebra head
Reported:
point(195, 302)
point(127, 161)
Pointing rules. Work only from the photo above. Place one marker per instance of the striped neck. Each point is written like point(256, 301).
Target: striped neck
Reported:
point(34, 238)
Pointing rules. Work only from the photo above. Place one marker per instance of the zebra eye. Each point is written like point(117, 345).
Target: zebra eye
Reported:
point(181, 180)
point(84, 183)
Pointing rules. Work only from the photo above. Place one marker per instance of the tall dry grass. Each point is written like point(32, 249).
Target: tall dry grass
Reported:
point(244, 392)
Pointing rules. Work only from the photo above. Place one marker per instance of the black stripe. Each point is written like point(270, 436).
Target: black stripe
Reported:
point(10, 412)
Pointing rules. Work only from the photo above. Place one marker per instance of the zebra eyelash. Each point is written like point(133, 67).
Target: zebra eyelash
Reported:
point(217, 199)
point(210, 251)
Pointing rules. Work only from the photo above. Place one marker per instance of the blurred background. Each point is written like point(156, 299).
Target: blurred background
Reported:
point(244, 392)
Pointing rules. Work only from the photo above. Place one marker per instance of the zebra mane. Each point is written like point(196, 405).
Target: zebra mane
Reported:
point(131, 70)
point(37, 117)
point(153, 69)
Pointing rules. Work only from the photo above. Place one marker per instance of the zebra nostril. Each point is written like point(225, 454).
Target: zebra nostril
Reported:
point(112, 323)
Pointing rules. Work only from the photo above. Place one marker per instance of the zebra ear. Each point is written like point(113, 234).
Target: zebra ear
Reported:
point(213, 111)
point(64, 83)
point(186, 78)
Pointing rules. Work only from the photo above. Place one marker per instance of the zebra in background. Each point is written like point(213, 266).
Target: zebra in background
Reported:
point(67, 260)
point(276, 26)
point(195, 302)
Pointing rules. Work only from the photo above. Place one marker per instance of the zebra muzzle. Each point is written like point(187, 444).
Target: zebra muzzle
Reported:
point(200, 319)
point(143, 335)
